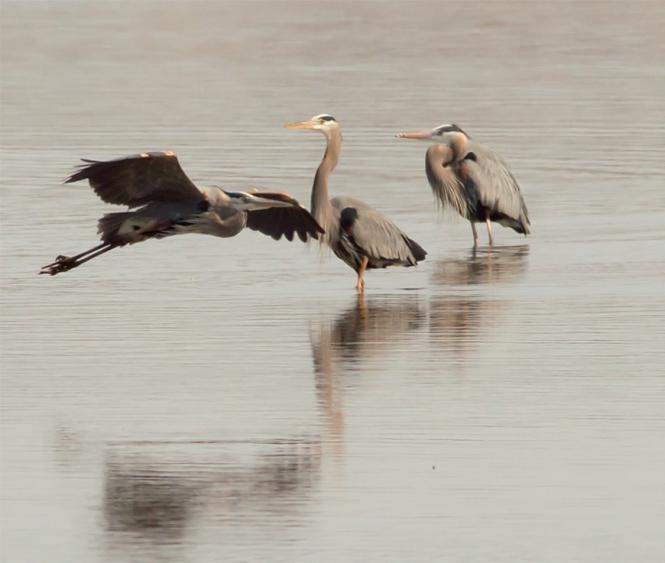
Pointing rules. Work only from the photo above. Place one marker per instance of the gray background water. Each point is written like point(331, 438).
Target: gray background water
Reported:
point(197, 399)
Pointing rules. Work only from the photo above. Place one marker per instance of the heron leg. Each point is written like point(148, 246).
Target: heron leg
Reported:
point(475, 235)
point(64, 263)
point(360, 284)
point(489, 227)
point(60, 258)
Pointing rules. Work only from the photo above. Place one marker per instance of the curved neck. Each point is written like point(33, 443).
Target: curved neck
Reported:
point(437, 157)
point(458, 144)
point(442, 176)
point(320, 203)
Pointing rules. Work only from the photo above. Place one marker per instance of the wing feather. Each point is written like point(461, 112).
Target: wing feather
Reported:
point(138, 179)
point(378, 237)
point(494, 185)
point(284, 221)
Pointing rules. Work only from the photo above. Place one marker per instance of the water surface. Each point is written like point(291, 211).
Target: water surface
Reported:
point(196, 399)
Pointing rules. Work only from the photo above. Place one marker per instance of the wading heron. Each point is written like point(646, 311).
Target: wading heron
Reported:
point(359, 235)
point(164, 202)
point(473, 180)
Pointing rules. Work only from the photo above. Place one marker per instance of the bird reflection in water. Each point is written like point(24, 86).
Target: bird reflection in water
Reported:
point(498, 264)
point(155, 492)
point(456, 318)
point(364, 331)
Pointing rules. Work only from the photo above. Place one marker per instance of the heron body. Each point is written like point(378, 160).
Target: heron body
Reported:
point(358, 234)
point(365, 232)
point(164, 202)
point(473, 180)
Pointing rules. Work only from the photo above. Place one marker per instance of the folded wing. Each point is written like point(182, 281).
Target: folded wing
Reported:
point(376, 236)
point(494, 186)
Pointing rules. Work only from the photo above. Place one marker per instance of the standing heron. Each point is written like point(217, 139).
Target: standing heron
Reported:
point(473, 180)
point(359, 235)
point(164, 202)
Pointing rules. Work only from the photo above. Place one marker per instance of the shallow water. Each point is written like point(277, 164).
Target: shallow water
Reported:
point(197, 399)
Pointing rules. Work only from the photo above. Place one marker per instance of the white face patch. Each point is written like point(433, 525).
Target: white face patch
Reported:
point(324, 121)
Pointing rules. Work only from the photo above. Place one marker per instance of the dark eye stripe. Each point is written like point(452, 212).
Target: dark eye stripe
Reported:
point(454, 128)
point(327, 118)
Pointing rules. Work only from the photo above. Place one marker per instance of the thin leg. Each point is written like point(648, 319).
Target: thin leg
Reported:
point(475, 235)
point(60, 257)
point(64, 263)
point(360, 284)
point(489, 227)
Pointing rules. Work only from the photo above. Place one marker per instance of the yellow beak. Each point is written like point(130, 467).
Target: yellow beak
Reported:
point(302, 125)
point(418, 135)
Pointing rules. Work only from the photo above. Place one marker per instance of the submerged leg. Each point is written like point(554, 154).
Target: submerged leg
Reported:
point(475, 235)
point(489, 227)
point(64, 263)
point(360, 284)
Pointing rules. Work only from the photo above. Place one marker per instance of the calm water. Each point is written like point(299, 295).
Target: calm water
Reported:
point(203, 400)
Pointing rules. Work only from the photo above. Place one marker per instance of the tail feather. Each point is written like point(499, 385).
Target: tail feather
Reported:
point(520, 225)
point(418, 251)
point(109, 225)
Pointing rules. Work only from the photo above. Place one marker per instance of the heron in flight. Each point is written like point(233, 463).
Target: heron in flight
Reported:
point(473, 180)
point(164, 202)
point(359, 235)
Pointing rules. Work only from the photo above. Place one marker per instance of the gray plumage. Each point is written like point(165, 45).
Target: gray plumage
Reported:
point(473, 180)
point(359, 235)
point(164, 202)
point(364, 231)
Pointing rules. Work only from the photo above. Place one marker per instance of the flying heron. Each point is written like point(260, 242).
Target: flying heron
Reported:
point(359, 235)
point(473, 180)
point(164, 202)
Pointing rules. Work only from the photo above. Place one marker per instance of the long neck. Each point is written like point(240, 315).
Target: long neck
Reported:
point(321, 207)
point(220, 219)
point(443, 178)
point(458, 143)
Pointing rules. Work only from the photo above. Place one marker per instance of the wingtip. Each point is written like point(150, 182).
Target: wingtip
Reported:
point(72, 178)
point(80, 169)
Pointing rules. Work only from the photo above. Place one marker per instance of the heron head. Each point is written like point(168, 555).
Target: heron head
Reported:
point(322, 122)
point(438, 134)
point(244, 201)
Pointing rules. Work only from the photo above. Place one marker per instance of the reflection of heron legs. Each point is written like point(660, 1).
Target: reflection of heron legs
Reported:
point(489, 227)
point(475, 234)
point(64, 263)
point(360, 284)
point(361, 305)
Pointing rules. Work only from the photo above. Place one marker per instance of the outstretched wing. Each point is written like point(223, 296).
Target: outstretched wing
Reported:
point(287, 221)
point(375, 235)
point(138, 179)
point(495, 187)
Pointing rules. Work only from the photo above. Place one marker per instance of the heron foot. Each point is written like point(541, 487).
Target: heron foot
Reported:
point(61, 264)
point(360, 285)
